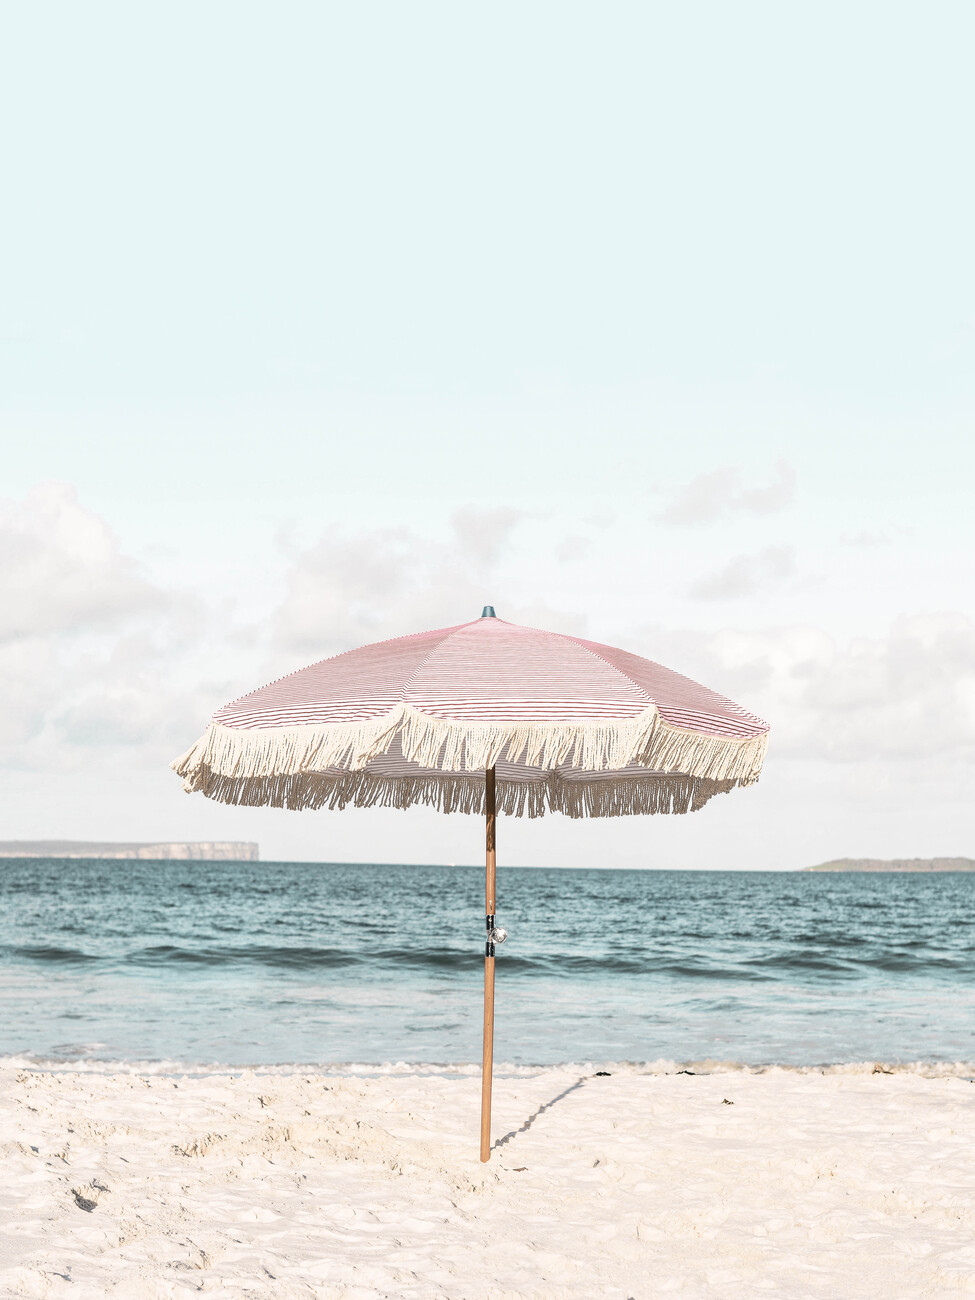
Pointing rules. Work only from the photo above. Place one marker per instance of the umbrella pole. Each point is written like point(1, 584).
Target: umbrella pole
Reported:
point(487, 1058)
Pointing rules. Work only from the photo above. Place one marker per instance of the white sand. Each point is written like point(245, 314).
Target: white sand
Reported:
point(840, 1185)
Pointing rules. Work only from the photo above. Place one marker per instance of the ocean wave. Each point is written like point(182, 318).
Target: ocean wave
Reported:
point(50, 953)
point(815, 964)
point(927, 1069)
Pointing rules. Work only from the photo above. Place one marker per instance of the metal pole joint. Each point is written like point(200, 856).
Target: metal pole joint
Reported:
point(495, 934)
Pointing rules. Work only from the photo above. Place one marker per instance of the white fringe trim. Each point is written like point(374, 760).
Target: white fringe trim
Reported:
point(281, 761)
point(626, 796)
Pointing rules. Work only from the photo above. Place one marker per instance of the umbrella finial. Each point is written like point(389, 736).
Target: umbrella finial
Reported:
point(488, 612)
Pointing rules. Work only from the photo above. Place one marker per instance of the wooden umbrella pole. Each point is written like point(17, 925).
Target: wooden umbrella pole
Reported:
point(487, 1058)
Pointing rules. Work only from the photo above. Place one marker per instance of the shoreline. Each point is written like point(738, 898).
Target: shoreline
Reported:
point(926, 1069)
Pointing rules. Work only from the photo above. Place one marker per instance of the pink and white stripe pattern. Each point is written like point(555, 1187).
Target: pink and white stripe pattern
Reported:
point(570, 725)
point(491, 671)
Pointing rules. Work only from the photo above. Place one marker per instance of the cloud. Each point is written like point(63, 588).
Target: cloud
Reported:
point(61, 568)
point(92, 652)
point(721, 492)
point(905, 697)
point(121, 716)
point(865, 540)
point(908, 696)
point(744, 575)
point(485, 534)
point(348, 589)
point(573, 549)
point(351, 588)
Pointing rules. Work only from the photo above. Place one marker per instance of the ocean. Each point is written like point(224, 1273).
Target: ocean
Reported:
point(237, 964)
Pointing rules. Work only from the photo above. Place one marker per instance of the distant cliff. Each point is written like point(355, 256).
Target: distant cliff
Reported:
point(217, 851)
point(897, 864)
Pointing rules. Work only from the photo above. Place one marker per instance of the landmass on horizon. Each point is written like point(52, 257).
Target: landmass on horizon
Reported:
point(199, 851)
point(896, 864)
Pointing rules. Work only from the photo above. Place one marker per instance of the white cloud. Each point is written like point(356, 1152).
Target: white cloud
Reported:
point(907, 697)
point(573, 549)
point(90, 648)
point(865, 540)
point(61, 568)
point(485, 535)
point(721, 492)
point(349, 589)
point(745, 575)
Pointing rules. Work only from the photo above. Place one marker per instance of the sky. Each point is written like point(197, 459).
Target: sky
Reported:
point(322, 323)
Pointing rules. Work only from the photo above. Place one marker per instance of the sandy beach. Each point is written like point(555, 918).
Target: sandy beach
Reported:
point(792, 1183)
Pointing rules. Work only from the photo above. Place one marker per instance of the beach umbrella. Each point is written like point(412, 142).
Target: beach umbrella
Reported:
point(484, 717)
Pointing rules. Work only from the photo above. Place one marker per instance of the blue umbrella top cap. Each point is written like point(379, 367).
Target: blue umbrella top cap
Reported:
point(488, 612)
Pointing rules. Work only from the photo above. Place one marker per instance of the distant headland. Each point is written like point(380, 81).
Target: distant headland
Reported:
point(202, 851)
point(896, 864)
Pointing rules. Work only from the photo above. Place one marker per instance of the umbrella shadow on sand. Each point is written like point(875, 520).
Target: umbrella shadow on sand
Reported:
point(541, 1111)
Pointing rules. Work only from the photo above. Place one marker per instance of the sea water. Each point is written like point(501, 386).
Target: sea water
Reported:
point(275, 963)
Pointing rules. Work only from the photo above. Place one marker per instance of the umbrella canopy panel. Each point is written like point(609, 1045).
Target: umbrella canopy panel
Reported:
point(569, 725)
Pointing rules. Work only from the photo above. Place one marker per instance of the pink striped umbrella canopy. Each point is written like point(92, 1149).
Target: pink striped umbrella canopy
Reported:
point(569, 725)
